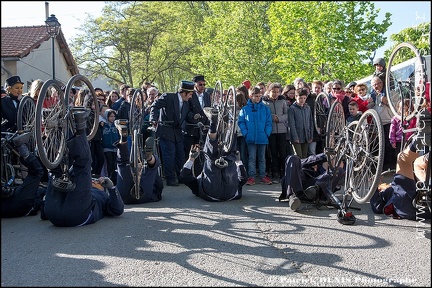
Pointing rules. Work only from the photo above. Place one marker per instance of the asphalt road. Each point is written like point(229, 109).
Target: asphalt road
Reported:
point(185, 241)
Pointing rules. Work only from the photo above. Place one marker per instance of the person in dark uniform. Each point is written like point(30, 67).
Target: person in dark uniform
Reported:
point(199, 100)
point(9, 103)
point(396, 199)
point(307, 179)
point(151, 182)
point(77, 202)
point(23, 199)
point(172, 109)
point(215, 183)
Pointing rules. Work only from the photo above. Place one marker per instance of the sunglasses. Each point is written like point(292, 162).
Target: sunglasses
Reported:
point(201, 84)
point(336, 88)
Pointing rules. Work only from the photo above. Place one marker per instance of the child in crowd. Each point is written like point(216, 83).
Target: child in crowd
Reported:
point(355, 114)
point(301, 123)
point(110, 137)
point(255, 123)
point(396, 126)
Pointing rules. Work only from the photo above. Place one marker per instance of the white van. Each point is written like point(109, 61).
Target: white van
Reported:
point(403, 70)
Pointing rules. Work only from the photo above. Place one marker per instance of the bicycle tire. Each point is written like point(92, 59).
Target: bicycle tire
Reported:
point(136, 164)
point(398, 88)
point(226, 123)
point(367, 158)
point(136, 114)
point(26, 114)
point(50, 126)
point(26, 118)
point(334, 133)
point(322, 106)
point(93, 119)
point(216, 96)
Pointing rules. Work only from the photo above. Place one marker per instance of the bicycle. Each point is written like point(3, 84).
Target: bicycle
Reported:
point(136, 117)
point(227, 116)
point(26, 118)
point(359, 148)
point(199, 161)
point(55, 124)
point(7, 169)
point(414, 86)
point(322, 107)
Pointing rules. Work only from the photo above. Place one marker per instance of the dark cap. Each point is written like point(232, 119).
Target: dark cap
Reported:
point(12, 81)
point(187, 86)
point(351, 84)
point(379, 61)
point(198, 78)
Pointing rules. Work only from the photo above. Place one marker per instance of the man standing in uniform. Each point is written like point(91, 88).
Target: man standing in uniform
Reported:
point(168, 113)
point(199, 100)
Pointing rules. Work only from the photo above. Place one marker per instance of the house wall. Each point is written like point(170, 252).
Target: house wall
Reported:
point(37, 65)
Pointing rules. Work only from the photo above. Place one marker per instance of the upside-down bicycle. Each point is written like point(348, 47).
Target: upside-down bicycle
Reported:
point(54, 123)
point(412, 84)
point(359, 147)
point(227, 116)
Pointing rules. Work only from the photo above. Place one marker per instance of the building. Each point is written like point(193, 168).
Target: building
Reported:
point(26, 52)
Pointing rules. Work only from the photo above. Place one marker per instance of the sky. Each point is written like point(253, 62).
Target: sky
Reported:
point(71, 13)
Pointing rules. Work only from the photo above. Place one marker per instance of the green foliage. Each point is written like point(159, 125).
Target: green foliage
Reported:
point(167, 41)
point(419, 36)
point(324, 40)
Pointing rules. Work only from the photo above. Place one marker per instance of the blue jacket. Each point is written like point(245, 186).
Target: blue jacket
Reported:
point(255, 122)
point(110, 135)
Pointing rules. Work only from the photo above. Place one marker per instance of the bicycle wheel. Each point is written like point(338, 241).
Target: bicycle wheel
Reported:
point(92, 104)
point(136, 163)
point(136, 112)
point(367, 156)
point(335, 140)
point(408, 83)
point(226, 123)
point(216, 96)
point(26, 118)
point(322, 105)
point(50, 125)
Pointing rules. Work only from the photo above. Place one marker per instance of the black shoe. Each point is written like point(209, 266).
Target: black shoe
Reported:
point(63, 185)
point(311, 192)
point(80, 118)
point(42, 215)
point(172, 182)
point(148, 148)
point(21, 139)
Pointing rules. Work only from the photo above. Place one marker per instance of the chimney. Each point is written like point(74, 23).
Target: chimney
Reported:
point(46, 10)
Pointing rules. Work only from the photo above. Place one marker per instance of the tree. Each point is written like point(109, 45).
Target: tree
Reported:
point(166, 41)
point(133, 42)
point(419, 36)
point(325, 40)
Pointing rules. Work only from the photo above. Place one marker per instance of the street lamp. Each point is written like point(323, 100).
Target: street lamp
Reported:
point(53, 29)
